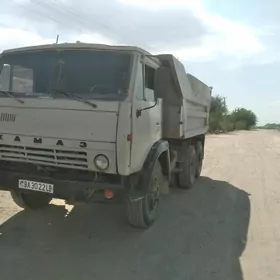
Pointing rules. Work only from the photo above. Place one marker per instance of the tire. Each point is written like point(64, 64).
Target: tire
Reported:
point(199, 159)
point(29, 200)
point(186, 178)
point(143, 213)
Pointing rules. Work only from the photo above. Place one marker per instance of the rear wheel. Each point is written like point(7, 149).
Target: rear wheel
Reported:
point(30, 200)
point(199, 157)
point(186, 177)
point(142, 213)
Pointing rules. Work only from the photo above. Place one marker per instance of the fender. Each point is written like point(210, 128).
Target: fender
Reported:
point(157, 149)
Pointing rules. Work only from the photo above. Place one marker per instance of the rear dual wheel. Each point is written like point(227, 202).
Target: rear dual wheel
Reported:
point(186, 177)
point(190, 165)
point(199, 157)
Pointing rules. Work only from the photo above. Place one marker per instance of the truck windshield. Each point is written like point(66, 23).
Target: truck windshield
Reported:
point(88, 74)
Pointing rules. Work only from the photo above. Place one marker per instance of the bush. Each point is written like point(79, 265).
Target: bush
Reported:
point(244, 118)
point(226, 124)
point(221, 120)
point(271, 126)
point(240, 125)
point(214, 122)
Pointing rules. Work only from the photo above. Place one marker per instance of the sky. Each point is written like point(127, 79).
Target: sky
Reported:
point(230, 45)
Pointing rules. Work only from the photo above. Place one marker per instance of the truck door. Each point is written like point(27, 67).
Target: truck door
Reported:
point(146, 128)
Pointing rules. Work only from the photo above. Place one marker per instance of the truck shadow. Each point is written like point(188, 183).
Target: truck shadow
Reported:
point(200, 236)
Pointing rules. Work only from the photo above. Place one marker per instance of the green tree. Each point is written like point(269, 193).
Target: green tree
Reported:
point(226, 123)
point(240, 125)
point(243, 118)
point(221, 119)
point(270, 126)
point(218, 105)
point(217, 111)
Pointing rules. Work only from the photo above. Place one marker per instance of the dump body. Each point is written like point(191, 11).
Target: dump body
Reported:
point(186, 107)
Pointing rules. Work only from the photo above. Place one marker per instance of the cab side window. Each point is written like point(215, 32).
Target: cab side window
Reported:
point(149, 83)
point(139, 87)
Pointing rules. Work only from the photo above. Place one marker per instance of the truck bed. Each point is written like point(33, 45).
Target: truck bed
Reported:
point(187, 106)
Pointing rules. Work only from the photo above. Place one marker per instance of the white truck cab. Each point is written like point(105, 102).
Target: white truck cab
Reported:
point(85, 121)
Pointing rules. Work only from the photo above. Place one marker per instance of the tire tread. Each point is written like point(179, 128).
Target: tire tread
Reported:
point(30, 201)
point(184, 178)
point(136, 209)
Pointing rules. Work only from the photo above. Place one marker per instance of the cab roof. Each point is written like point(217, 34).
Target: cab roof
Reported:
point(76, 46)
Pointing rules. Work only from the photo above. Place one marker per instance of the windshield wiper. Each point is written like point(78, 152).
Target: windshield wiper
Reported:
point(73, 96)
point(10, 94)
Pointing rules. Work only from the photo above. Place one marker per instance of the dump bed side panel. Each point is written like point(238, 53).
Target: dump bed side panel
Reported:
point(186, 109)
point(196, 107)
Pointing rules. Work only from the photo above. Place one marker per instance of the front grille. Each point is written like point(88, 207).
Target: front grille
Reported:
point(5, 117)
point(44, 156)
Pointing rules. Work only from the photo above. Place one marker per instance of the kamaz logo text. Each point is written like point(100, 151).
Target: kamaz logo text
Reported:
point(38, 140)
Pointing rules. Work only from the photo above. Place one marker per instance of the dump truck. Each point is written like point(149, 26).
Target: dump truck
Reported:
point(91, 122)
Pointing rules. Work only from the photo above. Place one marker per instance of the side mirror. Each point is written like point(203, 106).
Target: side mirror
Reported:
point(162, 82)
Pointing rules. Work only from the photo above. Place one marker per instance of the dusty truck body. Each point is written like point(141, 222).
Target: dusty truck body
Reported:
point(83, 121)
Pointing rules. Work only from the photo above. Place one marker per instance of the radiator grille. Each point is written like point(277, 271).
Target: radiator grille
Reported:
point(5, 117)
point(45, 156)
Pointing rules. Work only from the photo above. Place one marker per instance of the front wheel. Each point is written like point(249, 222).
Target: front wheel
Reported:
point(142, 213)
point(29, 200)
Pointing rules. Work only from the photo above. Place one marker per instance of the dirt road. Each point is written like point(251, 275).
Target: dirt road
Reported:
point(226, 228)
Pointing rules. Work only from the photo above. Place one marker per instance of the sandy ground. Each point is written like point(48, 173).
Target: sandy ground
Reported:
point(226, 228)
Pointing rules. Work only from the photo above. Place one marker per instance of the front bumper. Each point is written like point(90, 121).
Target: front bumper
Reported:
point(64, 189)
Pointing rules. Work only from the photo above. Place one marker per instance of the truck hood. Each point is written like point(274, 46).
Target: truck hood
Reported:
point(60, 119)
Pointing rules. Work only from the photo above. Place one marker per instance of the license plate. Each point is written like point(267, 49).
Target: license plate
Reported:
point(35, 186)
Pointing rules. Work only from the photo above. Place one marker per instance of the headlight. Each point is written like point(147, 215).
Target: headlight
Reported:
point(101, 162)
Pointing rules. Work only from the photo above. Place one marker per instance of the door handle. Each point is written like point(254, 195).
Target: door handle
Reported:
point(157, 124)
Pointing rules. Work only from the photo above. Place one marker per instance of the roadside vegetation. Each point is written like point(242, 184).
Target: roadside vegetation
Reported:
point(272, 126)
point(221, 120)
